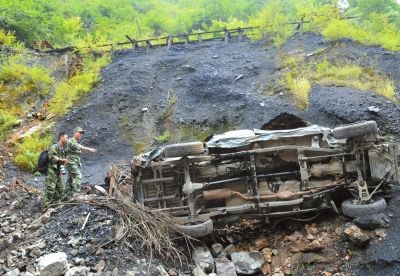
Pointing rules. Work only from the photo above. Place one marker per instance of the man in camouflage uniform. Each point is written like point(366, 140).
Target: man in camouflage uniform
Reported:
point(74, 150)
point(54, 189)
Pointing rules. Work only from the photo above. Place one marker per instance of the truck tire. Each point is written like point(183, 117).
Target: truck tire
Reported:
point(353, 210)
point(198, 229)
point(184, 149)
point(355, 130)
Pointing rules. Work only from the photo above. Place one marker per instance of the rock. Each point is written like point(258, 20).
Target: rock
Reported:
point(14, 272)
point(310, 237)
point(260, 243)
point(224, 267)
point(247, 262)
point(313, 246)
point(78, 271)
point(53, 264)
point(313, 258)
point(217, 249)
point(99, 266)
point(115, 272)
point(372, 222)
point(266, 269)
point(373, 109)
point(356, 236)
point(202, 257)
point(198, 271)
point(230, 249)
point(74, 241)
point(380, 233)
point(173, 272)
point(3, 188)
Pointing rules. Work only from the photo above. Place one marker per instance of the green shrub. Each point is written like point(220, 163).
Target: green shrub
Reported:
point(70, 91)
point(28, 151)
point(7, 121)
point(353, 76)
point(299, 88)
point(19, 82)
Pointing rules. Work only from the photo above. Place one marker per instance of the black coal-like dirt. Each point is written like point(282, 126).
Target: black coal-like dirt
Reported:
point(223, 86)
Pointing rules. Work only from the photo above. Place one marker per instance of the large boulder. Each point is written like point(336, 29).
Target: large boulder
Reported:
point(224, 267)
point(203, 258)
point(53, 264)
point(372, 222)
point(247, 262)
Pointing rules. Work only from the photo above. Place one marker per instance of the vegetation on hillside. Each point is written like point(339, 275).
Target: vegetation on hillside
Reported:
point(300, 77)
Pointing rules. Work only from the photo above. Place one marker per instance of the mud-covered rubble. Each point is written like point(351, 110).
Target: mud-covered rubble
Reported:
point(79, 239)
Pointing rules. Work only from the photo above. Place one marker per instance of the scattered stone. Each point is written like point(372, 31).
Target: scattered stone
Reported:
point(372, 222)
point(173, 272)
point(380, 233)
point(14, 272)
point(310, 237)
point(260, 243)
point(275, 252)
point(78, 271)
point(217, 249)
point(99, 266)
point(203, 258)
point(313, 246)
point(224, 267)
point(198, 271)
point(115, 272)
point(53, 264)
point(247, 262)
point(266, 269)
point(313, 258)
point(373, 109)
point(4, 188)
point(356, 236)
point(230, 249)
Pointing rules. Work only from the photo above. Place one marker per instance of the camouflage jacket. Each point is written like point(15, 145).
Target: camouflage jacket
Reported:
point(74, 152)
point(56, 152)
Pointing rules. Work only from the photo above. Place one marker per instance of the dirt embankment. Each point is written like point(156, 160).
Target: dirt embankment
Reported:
point(213, 87)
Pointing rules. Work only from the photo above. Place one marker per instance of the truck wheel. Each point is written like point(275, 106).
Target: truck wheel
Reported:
point(198, 229)
point(355, 130)
point(184, 149)
point(354, 210)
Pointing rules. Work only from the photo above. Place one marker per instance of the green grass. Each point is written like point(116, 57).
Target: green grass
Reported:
point(299, 79)
point(300, 88)
point(7, 121)
point(68, 92)
point(162, 138)
point(20, 83)
point(354, 76)
point(28, 151)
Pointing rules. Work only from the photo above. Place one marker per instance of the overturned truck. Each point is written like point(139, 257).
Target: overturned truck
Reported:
point(268, 173)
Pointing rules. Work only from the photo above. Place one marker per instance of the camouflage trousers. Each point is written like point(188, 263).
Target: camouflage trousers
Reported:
point(73, 184)
point(54, 189)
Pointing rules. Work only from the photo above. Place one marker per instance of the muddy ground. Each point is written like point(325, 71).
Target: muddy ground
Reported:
point(194, 90)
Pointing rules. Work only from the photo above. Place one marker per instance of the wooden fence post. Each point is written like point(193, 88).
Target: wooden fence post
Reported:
point(169, 41)
point(148, 46)
point(187, 39)
point(134, 44)
point(226, 36)
point(240, 31)
point(199, 38)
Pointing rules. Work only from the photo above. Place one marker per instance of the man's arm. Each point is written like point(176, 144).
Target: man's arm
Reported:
point(87, 149)
point(54, 156)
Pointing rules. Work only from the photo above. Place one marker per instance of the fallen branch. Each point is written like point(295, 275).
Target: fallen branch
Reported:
point(139, 226)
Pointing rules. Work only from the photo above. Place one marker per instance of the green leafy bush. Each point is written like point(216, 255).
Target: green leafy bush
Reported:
point(7, 121)
point(21, 83)
point(28, 151)
point(70, 91)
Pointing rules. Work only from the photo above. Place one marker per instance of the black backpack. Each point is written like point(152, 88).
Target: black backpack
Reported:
point(43, 162)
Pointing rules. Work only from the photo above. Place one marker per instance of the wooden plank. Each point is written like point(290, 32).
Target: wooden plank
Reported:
point(156, 180)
